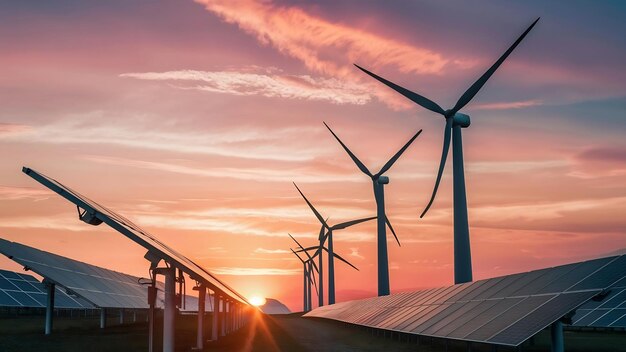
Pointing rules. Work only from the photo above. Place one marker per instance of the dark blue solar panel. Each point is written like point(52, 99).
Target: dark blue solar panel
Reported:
point(606, 276)
point(540, 318)
point(571, 278)
point(6, 300)
point(476, 311)
point(621, 322)
point(23, 298)
point(609, 317)
point(7, 285)
point(24, 286)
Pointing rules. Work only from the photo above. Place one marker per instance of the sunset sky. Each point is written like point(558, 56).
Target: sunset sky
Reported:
point(192, 118)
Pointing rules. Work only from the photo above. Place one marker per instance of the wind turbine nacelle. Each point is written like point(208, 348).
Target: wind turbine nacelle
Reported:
point(383, 180)
point(461, 120)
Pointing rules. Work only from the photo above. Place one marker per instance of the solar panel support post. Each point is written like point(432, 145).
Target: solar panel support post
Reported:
point(216, 312)
point(556, 334)
point(201, 309)
point(169, 314)
point(222, 317)
point(103, 318)
point(50, 288)
point(152, 295)
point(121, 316)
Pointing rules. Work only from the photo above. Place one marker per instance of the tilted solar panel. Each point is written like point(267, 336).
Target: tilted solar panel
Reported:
point(504, 310)
point(102, 287)
point(21, 290)
point(137, 234)
point(608, 310)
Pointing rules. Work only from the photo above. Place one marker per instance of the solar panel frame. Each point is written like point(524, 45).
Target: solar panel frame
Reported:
point(138, 235)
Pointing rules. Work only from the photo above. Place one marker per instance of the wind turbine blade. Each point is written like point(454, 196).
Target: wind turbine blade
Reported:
point(414, 97)
point(343, 225)
point(471, 91)
point(356, 160)
point(444, 154)
point(343, 260)
point(305, 252)
point(307, 249)
point(392, 231)
point(393, 159)
point(314, 265)
point(297, 255)
point(295, 240)
point(317, 214)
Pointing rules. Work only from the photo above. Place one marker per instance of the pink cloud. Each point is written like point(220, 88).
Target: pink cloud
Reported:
point(312, 40)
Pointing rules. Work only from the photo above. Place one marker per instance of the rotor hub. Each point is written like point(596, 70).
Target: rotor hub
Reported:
point(383, 180)
point(460, 119)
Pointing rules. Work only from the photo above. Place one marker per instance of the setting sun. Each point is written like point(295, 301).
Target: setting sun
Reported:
point(257, 301)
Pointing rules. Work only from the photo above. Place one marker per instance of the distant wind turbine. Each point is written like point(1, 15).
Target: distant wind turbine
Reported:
point(306, 306)
point(329, 235)
point(379, 181)
point(454, 122)
point(311, 265)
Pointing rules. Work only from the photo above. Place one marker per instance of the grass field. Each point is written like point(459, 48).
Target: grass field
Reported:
point(264, 333)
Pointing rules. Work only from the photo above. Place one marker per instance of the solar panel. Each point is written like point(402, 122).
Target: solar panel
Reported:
point(137, 234)
point(505, 310)
point(608, 309)
point(102, 287)
point(21, 290)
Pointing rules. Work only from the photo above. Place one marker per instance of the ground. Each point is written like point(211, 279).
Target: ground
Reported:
point(264, 333)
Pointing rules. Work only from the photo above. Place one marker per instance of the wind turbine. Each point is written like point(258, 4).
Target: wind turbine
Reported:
point(329, 235)
point(379, 181)
point(311, 265)
point(454, 122)
point(307, 281)
point(318, 252)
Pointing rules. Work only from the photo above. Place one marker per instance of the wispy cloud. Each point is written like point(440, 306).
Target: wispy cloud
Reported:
point(513, 166)
point(95, 128)
point(11, 128)
point(241, 173)
point(354, 252)
point(271, 251)
point(545, 211)
point(254, 271)
point(507, 105)
point(17, 193)
point(268, 85)
point(599, 162)
point(66, 223)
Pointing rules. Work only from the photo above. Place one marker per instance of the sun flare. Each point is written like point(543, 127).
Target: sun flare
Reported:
point(257, 301)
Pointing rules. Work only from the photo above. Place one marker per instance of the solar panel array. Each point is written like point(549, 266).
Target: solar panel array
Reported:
point(21, 290)
point(505, 310)
point(607, 310)
point(137, 234)
point(103, 287)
